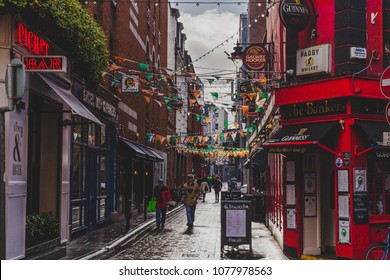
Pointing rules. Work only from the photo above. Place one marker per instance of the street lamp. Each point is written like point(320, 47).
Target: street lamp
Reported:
point(236, 56)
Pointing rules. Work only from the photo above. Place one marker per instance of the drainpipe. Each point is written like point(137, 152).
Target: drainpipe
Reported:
point(2, 186)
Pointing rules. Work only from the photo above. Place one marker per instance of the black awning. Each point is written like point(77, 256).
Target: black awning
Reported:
point(374, 131)
point(297, 138)
point(149, 153)
point(134, 148)
point(159, 158)
point(302, 134)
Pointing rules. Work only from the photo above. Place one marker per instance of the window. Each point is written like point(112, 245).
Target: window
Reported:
point(379, 186)
point(386, 33)
point(148, 17)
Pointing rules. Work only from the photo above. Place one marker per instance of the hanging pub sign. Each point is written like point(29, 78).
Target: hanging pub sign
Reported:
point(130, 83)
point(314, 60)
point(255, 57)
point(295, 14)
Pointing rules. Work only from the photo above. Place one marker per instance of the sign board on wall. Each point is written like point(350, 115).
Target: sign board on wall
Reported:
point(49, 63)
point(314, 60)
point(295, 14)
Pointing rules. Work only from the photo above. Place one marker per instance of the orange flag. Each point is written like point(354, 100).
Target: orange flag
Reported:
point(120, 59)
point(113, 68)
point(235, 124)
point(147, 99)
point(245, 109)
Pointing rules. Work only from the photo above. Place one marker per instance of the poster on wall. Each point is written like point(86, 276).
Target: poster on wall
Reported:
point(130, 83)
point(290, 170)
point(291, 218)
point(310, 206)
point(342, 180)
point(16, 139)
point(310, 182)
point(344, 231)
point(360, 180)
point(290, 194)
point(343, 201)
point(387, 182)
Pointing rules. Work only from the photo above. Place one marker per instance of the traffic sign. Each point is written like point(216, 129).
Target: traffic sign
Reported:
point(384, 82)
point(388, 113)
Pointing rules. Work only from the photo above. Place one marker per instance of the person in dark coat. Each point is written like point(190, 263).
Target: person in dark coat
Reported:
point(163, 196)
point(217, 186)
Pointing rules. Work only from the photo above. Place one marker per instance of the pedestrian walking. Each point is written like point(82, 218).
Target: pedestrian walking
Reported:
point(163, 196)
point(204, 187)
point(217, 186)
point(191, 192)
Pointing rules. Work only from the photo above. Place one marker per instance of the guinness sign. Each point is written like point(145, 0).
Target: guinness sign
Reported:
point(295, 14)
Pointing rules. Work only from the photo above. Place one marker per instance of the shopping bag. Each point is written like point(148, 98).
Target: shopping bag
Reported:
point(151, 205)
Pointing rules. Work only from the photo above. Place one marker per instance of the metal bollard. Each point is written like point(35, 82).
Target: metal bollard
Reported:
point(145, 207)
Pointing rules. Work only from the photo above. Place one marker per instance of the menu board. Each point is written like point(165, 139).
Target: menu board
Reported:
point(360, 208)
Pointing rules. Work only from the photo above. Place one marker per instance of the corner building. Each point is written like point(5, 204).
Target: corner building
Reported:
point(328, 173)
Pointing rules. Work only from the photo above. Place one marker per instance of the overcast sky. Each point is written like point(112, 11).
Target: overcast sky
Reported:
point(206, 27)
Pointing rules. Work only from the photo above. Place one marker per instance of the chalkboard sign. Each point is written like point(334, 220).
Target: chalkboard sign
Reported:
point(236, 227)
point(225, 195)
point(360, 208)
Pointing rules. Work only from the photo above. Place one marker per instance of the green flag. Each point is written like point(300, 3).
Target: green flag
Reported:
point(166, 99)
point(149, 76)
point(259, 110)
point(143, 66)
point(226, 123)
point(198, 117)
point(214, 94)
point(264, 95)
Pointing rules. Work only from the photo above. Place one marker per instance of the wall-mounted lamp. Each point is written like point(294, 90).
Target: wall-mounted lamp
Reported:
point(342, 124)
point(135, 172)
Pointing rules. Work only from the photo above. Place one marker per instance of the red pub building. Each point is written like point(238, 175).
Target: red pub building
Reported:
point(328, 173)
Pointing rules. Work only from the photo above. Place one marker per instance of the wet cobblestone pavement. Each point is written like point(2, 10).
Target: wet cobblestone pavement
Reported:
point(202, 242)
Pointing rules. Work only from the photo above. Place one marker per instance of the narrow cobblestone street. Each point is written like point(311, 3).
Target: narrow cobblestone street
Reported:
point(202, 242)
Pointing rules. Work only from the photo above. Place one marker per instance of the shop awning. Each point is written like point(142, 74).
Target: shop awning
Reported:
point(374, 132)
point(302, 134)
point(134, 148)
point(149, 153)
point(76, 106)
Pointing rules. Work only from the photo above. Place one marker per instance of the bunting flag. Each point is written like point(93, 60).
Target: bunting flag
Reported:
point(113, 68)
point(263, 80)
point(210, 81)
point(166, 99)
point(149, 76)
point(196, 93)
point(217, 77)
point(245, 109)
point(259, 110)
point(153, 88)
point(250, 95)
point(251, 128)
point(198, 117)
point(207, 119)
point(120, 59)
point(147, 98)
point(235, 124)
point(264, 95)
point(143, 66)
point(148, 92)
point(243, 125)
point(214, 94)
point(192, 101)
point(158, 102)
point(226, 123)
point(242, 133)
point(148, 137)
point(169, 108)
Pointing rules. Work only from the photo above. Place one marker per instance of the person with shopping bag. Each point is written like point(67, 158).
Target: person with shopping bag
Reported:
point(163, 196)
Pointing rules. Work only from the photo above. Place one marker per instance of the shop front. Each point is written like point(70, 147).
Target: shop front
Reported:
point(93, 161)
point(139, 168)
point(328, 171)
point(38, 143)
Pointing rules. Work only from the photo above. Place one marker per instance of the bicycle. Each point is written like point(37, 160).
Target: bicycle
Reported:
point(379, 251)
